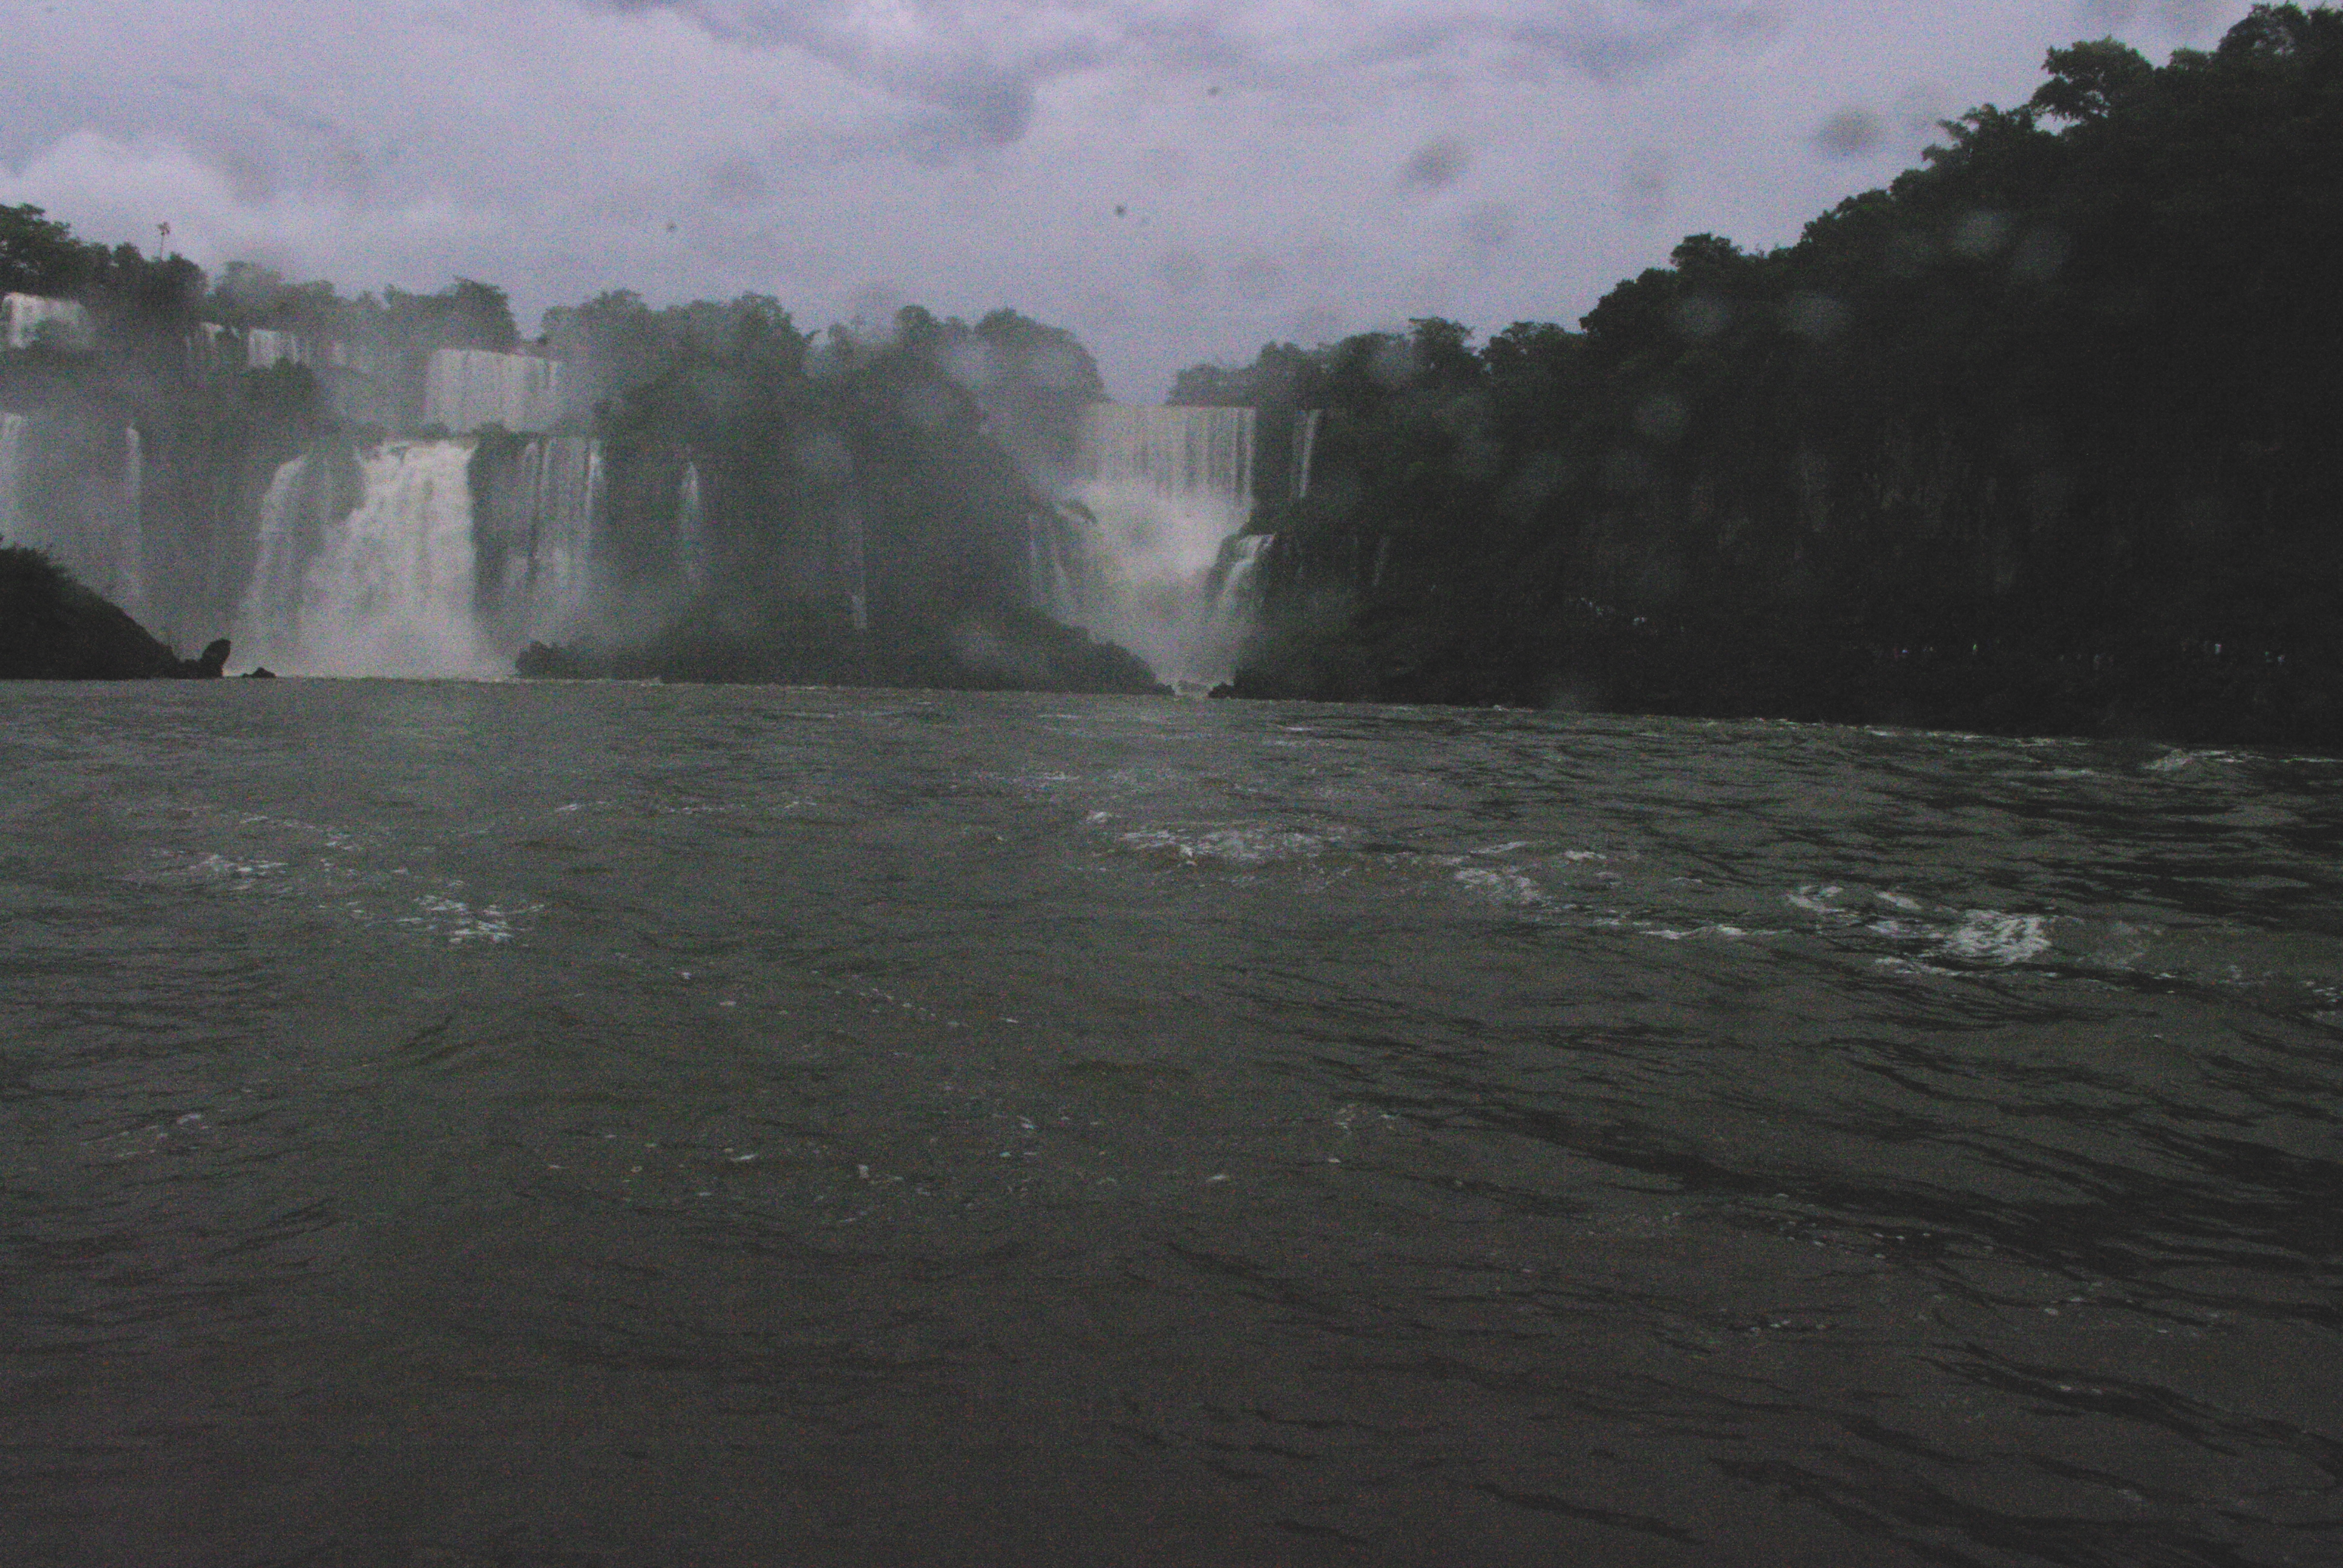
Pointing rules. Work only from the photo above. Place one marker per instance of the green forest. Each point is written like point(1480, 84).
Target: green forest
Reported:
point(2041, 438)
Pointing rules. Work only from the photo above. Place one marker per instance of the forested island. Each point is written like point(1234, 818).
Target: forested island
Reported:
point(2037, 438)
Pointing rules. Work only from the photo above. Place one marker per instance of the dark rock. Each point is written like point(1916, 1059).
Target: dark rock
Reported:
point(210, 665)
point(54, 629)
point(260, 672)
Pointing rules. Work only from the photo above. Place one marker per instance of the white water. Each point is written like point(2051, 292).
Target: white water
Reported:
point(1166, 487)
point(691, 532)
point(466, 388)
point(562, 489)
point(390, 590)
point(1305, 447)
point(265, 347)
point(130, 534)
point(267, 620)
point(15, 440)
point(65, 321)
point(1216, 636)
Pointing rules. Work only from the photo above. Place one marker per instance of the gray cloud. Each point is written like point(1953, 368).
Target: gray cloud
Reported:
point(1435, 165)
point(976, 72)
point(843, 155)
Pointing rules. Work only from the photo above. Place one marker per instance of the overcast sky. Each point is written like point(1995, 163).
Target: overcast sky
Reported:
point(1177, 180)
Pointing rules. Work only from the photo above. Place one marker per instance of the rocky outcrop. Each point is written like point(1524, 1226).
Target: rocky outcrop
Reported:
point(54, 629)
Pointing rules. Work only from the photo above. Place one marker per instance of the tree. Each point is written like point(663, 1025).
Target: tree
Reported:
point(38, 255)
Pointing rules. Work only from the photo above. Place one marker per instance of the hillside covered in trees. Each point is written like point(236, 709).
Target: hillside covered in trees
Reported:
point(2042, 437)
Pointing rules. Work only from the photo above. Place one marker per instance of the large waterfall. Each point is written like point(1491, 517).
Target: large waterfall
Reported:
point(466, 388)
point(387, 589)
point(267, 621)
point(36, 318)
point(264, 348)
point(1166, 490)
point(549, 568)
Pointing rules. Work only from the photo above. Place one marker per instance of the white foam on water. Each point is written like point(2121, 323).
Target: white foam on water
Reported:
point(2173, 761)
point(459, 922)
point(1248, 844)
point(1817, 899)
point(1501, 886)
point(217, 870)
point(1991, 936)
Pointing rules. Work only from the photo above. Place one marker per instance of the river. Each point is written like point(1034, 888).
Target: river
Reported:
point(494, 1123)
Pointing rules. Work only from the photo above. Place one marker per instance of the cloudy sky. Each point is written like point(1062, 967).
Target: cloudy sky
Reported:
point(1178, 180)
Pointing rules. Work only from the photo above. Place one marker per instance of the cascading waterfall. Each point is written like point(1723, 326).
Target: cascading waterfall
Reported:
point(1165, 488)
point(1305, 447)
point(691, 532)
point(390, 587)
point(15, 438)
point(265, 346)
point(466, 388)
point(552, 581)
point(1216, 638)
point(855, 567)
point(267, 621)
point(130, 535)
point(36, 318)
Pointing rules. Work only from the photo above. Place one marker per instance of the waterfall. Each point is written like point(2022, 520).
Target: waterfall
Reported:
point(203, 347)
point(35, 318)
point(1216, 638)
point(15, 438)
point(390, 589)
point(1305, 447)
point(130, 533)
point(856, 568)
point(1164, 489)
point(265, 347)
point(691, 532)
point(552, 578)
point(465, 388)
point(267, 620)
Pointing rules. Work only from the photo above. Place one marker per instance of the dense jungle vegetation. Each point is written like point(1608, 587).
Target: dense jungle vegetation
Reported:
point(2039, 437)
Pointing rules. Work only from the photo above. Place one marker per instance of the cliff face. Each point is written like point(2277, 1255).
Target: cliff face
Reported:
point(53, 628)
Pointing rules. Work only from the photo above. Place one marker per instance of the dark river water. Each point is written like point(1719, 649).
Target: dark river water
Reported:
point(466, 1124)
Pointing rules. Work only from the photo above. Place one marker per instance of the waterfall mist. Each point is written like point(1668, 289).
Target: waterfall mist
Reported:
point(1157, 560)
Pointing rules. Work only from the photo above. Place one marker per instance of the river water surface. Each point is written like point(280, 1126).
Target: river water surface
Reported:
point(452, 1123)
